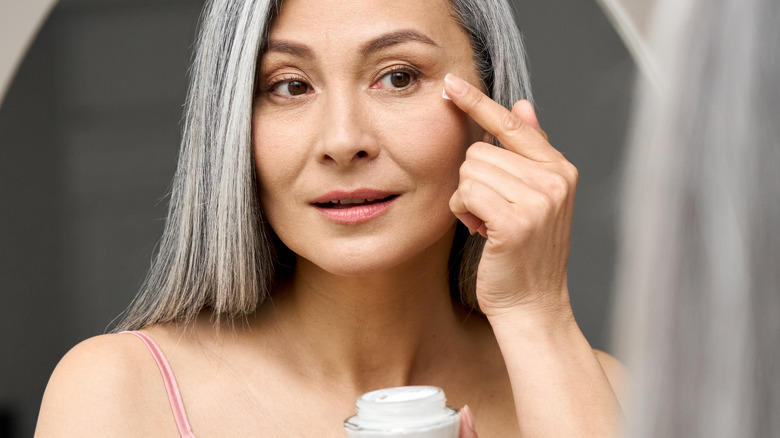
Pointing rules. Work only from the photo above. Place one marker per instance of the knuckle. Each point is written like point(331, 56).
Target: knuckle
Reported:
point(542, 204)
point(570, 172)
point(455, 202)
point(466, 188)
point(473, 152)
point(510, 122)
point(464, 170)
point(477, 149)
point(558, 187)
point(481, 151)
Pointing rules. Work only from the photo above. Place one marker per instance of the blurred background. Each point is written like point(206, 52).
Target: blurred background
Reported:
point(89, 133)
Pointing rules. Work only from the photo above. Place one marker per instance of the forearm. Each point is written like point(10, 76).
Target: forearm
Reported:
point(559, 386)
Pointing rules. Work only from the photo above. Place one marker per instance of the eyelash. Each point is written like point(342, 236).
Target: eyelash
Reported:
point(412, 72)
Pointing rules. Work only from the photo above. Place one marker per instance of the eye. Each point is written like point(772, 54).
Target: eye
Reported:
point(291, 88)
point(397, 79)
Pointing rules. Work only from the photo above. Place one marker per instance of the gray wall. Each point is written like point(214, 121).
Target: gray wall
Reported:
point(88, 141)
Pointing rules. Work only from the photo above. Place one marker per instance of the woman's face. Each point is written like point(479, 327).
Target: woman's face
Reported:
point(350, 110)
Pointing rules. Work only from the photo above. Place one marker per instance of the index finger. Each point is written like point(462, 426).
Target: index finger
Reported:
point(514, 133)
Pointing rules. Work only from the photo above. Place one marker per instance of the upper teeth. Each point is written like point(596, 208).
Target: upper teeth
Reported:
point(350, 201)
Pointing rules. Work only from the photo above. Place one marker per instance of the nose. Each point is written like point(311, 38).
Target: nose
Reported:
point(347, 135)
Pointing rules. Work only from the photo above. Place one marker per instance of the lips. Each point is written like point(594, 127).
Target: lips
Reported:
point(352, 202)
point(354, 207)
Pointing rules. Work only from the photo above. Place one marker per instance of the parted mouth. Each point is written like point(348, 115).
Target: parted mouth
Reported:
point(353, 202)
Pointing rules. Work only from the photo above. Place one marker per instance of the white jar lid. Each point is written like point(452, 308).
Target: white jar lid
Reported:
point(403, 394)
point(402, 408)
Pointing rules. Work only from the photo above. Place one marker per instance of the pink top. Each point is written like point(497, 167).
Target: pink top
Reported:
point(171, 387)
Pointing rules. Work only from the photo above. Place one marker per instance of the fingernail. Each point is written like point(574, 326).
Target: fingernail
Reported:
point(457, 85)
point(444, 94)
point(469, 416)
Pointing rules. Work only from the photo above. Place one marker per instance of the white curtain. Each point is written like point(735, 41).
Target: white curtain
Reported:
point(632, 20)
point(19, 23)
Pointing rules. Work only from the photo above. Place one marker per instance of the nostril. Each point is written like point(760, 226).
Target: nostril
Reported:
point(362, 154)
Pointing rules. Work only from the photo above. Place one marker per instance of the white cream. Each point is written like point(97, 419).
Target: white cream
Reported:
point(407, 411)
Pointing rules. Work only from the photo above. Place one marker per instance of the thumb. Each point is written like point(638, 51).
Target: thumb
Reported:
point(525, 110)
point(467, 423)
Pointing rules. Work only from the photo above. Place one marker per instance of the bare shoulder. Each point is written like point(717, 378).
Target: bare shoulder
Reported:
point(108, 385)
point(615, 371)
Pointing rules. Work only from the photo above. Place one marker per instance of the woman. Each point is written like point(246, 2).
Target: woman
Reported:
point(313, 250)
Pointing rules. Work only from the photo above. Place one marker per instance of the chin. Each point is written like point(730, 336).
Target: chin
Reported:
point(374, 257)
point(356, 270)
point(358, 262)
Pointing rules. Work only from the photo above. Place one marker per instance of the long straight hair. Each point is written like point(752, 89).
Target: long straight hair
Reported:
point(698, 292)
point(217, 249)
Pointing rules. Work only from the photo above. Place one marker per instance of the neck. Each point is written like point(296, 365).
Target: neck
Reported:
point(374, 331)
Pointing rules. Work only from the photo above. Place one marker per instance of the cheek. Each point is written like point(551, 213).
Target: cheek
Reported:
point(431, 140)
point(275, 157)
point(276, 168)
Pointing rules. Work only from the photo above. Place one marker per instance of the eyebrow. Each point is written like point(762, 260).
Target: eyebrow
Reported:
point(371, 47)
point(295, 49)
point(393, 38)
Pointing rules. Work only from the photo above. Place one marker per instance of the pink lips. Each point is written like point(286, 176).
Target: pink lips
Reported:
point(354, 207)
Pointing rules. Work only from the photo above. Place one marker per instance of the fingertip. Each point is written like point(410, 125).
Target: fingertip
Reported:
point(525, 110)
point(467, 429)
point(523, 105)
point(517, 108)
point(469, 416)
point(457, 86)
point(471, 222)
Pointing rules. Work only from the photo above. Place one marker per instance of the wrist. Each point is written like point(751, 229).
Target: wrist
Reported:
point(534, 321)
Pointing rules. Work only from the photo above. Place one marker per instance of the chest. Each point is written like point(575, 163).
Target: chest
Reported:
point(278, 406)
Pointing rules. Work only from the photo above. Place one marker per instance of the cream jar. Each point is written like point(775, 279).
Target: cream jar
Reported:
point(406, 411)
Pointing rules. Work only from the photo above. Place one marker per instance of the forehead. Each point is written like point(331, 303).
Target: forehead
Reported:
point(329, 24)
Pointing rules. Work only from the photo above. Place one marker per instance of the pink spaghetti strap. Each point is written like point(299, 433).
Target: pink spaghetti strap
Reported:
point(171, 387)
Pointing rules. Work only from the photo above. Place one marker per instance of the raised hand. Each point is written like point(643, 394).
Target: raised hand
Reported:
point(521, 198)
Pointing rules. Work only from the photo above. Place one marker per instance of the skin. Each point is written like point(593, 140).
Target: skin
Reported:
point(369, 303)
point(521, 199)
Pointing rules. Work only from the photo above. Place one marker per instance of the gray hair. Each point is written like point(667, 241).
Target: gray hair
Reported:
point(217, 250)
point(698, 293)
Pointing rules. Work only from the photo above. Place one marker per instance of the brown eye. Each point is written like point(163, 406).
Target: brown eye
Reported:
point(296, 88)
point(400, 79)
point(292, 88)
point(397, 79)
